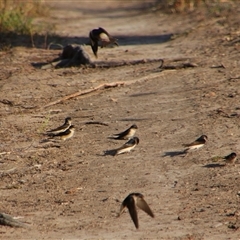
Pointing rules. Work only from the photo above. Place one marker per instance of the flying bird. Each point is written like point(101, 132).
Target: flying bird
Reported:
point(67, 134)
point(133, 200)
point(100, 35)
point(127, 134)
point(198, 143)
point(128, 146)
point(62, 128)
point(231, 158)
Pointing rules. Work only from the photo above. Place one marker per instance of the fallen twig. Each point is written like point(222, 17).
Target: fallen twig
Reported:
point(7, 220)
point(179, 66)
point(126, 63)
point(6, 101)
point(117, 84)
point(101, 87)
point(218, 66)
point(75, 55)
point(80, 93)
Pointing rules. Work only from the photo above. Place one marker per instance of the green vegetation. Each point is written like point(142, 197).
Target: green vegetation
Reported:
point(44, 125)
point(17, 16)
point(18, 26)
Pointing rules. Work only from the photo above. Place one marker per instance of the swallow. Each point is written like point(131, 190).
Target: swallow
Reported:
point(67, 134)
point(62, 128)
point(133, 200)
point(127, 134)
point(128, 146)
point(231, 158)
point(103, 36)
point(198, 143)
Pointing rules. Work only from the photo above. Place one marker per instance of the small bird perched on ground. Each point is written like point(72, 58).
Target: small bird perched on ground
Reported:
point(103, 36)
point(128, 146)
point(133, 200)
point(62, 128)
point(198, 143)
point(231, 158)
point(127, 134)
point(67, 134)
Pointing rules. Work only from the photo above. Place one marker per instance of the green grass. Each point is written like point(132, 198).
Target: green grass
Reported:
point(17, 16)
point(18, 26)
point(15, 21)
point(216, 158)
point(44, 125)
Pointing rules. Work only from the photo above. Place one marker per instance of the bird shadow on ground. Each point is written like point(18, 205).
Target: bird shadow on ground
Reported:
point(213, 165)
point(111, 152)
point(174, 153)
point(143, 94)
point(114, 138)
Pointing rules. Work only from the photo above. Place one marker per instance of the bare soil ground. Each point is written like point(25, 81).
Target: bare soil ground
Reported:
point(73, 191)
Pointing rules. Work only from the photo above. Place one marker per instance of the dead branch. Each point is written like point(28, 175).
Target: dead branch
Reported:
point(125, 63)
point(75, 56)
point(180, 63)
point(80, 93)
point(117, 84)
point(101, 87)
point(179, 66)
point(8, 220)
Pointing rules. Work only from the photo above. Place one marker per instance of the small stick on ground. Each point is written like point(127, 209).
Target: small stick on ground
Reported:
point(101, 87)
point(8, 220)
point(80, 93)
point(114, 84)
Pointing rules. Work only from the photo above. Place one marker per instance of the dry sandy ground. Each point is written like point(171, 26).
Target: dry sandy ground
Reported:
point(73, 191)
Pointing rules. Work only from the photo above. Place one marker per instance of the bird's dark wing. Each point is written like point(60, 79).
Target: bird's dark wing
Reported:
point(129, 143)
point(94, 42)
point(122, 134)
point(133, 211)
point(189, 144)
point(68, 131)
point(193, 143)
point(141, 203)
point(95, 48)
point(59, 129)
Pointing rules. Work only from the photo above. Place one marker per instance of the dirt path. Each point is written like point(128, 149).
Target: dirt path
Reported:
point(72, 191)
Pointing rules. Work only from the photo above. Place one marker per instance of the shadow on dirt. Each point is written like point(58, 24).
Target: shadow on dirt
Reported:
point(143, 94)
point(137, 40)
point(111, 152)
point(214, 165)
point(174, 154)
